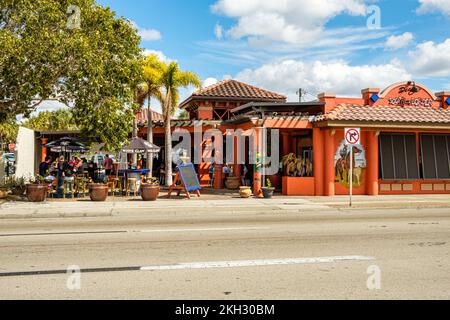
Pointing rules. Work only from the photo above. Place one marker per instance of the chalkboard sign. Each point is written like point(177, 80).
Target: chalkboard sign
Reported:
point(189, 177)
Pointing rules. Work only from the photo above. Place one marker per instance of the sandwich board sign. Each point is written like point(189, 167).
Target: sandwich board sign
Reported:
point(352, 138)
point(186, 179)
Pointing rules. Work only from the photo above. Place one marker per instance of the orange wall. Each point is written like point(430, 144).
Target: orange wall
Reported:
point(298, 186)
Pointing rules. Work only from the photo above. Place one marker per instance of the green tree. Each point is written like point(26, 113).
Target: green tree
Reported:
point(183, 115)
point(152, 69)
point(58, 120)
point(172, 80)
point(8, 133)
point(91, 68)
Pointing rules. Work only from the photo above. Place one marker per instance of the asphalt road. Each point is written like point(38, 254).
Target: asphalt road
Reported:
point(310, 257)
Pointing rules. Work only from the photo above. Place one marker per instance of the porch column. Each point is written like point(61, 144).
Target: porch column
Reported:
point(286, 143)
point(329, 162)
point(237, 166)
point(372, 163)
point(257, 174)
point(44, 141)
point(218, 183)
point(318, 161)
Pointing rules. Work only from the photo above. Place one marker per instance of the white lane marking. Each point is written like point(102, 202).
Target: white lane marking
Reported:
point(255, 263)
point(205, 229)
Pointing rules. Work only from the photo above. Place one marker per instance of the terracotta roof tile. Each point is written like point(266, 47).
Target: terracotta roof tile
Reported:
point(236, 89)
point(345, 112)
point(142, 116)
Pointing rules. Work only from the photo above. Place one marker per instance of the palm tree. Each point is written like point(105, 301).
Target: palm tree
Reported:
point(151, 88)
point(172, 80)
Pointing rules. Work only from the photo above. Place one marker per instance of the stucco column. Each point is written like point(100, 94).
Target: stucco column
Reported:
point(318, 161)
point(286, 143)
point(257, 172)
point(237, 166)
point(218, 176)
point(372, 163)
point(44, 141)
point(329, 163)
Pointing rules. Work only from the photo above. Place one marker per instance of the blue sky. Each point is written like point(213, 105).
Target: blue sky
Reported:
point(319, 45)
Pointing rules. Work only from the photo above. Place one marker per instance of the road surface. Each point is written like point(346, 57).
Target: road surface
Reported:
point(405, 254)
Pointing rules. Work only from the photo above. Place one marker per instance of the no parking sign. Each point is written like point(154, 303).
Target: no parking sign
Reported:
point(352, 137)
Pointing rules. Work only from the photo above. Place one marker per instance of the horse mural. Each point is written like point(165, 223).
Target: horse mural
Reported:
point(342, 164)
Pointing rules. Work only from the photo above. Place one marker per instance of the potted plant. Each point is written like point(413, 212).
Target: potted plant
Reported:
point(232, 183)
point(17, 186)
point(37, 190)
point(98, 192)
point(150, 189)
point(268, 191)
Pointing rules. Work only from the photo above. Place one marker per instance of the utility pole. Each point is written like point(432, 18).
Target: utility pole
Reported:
point(300, 93)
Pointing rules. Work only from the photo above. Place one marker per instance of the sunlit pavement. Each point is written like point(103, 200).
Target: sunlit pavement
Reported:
point(261, 254)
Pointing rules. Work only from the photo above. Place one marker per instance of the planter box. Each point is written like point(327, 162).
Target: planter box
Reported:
point(298, 186)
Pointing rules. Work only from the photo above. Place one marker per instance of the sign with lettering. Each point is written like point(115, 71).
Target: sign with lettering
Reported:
point(189, 177)
point(417, 102)
point(410, 94)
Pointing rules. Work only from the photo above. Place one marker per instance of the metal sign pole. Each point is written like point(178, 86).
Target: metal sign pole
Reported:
point(351, 174)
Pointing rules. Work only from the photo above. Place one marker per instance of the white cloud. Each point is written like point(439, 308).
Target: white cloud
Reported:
point(209, 82)
point(431, 59)
point(434, 6)
point(218, 31)
point(339, 77)
point(159, 54)
point(290, 21)
point(147, 34)
point(400, 41)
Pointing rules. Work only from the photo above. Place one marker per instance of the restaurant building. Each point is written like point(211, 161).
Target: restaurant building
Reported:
point(404, 148)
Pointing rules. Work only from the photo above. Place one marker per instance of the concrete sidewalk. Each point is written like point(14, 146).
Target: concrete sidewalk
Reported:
point(213, 205)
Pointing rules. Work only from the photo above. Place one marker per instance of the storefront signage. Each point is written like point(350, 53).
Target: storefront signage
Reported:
point(417, 102)
point(409, 90)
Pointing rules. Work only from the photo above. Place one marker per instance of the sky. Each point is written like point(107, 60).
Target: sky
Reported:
point(339, 46)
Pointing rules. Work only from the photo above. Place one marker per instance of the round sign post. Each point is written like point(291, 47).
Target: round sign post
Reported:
point(352, 137)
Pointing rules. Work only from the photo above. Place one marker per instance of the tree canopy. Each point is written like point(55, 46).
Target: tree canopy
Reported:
point(59, 120)
point(93, 68)
point(8, 133)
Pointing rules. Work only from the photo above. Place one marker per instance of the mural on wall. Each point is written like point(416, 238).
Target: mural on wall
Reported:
point(342, 164)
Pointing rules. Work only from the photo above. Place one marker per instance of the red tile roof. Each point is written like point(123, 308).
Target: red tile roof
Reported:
point(142, 116)
point(346, 112)
point(236, 90)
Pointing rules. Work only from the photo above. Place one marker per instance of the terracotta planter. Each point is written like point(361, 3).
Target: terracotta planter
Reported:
point(149, 192)
point(3, 193)
point(232, 183)
point(36, 192)
point(267, 192)
point(245, 192)
point(98, 192)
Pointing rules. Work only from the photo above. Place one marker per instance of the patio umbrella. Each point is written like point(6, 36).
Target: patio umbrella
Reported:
point(66, 144)
point(140, 146)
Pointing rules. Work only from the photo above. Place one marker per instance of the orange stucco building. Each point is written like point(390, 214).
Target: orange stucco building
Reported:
point(405, 137)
